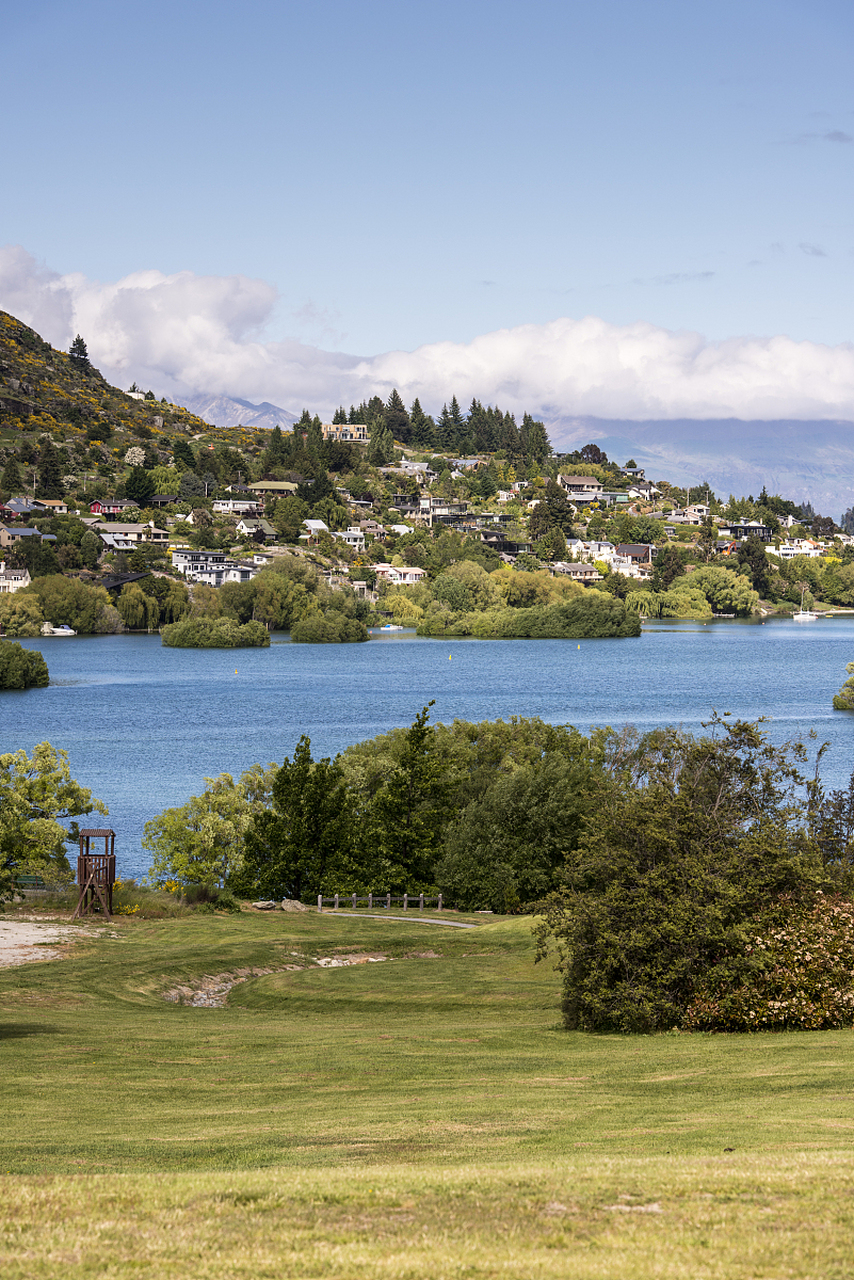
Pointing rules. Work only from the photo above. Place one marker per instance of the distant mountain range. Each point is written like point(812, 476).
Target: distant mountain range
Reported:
point(804, 461)
point(229, 411)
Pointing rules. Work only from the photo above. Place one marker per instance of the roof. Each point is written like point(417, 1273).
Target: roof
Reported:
point(98, 831)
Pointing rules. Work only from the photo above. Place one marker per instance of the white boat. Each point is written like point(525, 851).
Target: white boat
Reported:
point(62, 630)
point(391, 626)
point(802, 614)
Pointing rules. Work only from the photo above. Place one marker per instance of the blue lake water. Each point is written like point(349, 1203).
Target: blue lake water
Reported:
point(143, 725)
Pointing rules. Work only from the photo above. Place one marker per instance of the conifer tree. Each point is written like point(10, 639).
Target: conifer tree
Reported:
point(11, 480)
point(397, 419)
point(79, 354)
point(49, 471)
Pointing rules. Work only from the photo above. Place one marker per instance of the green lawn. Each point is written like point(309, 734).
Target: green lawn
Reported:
point(421, 1117)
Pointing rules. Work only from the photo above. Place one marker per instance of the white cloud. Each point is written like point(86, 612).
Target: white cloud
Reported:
point(185, 333)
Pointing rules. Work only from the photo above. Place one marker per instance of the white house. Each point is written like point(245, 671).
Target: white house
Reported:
point(354, 538)
point(581, 488)
point(12, 580)
point(400, 575)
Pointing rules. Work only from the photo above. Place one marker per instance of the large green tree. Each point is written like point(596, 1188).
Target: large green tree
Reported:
point(690, 838)
point(38, 797)
point(302, 846)
point(49, 484)
point(203, 841)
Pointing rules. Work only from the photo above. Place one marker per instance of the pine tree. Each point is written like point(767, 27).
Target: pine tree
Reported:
point(79, 354)
point(184, 455)
point(49, 471)
point(339, 418)
point(11, 480)
point(397, 419)
point(422, 424)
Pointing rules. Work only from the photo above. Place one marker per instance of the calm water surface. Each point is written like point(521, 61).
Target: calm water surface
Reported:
point(143, 725)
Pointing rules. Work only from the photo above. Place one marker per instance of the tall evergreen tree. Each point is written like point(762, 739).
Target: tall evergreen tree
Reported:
point(183, 454)
point(339, 418)
point(422, 425)
point(79, 354)
point(397, 419)
point(11, 480)
point(49, 471)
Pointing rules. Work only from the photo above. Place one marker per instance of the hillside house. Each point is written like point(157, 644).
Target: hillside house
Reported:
point(135, 533)
point(12, 580)
point(581, 488)
point(345, 432)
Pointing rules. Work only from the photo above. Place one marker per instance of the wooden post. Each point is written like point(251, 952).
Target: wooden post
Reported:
point(370, 900)
point(320, 902)
point(421, 902)
point(388, 902)
point(439, 908)
point(405, 901)
point(354, 902)
point(336, 902)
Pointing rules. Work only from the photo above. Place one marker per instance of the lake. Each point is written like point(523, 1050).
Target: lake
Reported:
point(143, 725)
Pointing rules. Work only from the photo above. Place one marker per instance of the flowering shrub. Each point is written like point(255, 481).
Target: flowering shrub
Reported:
point(135, 456)
point(799, 973)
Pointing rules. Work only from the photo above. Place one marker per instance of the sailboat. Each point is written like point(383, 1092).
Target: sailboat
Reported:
point(802, 614)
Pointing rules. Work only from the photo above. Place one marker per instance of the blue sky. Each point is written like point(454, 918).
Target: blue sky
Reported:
point(400, 177)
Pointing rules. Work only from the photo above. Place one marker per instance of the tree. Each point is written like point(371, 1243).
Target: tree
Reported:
point(37, 797)
point(139, 486)
point(79, 354)
point(203, 841)
point(183, 454)
point(753, 561)
point(691, 837)
point(22, 668)
point(49, 471)
point(844, 699)
point(380, 445)
point(20, 615)
point(397, 419)
point(406, 814)
point(301, 846)
point(137, 609)
point(11, 480)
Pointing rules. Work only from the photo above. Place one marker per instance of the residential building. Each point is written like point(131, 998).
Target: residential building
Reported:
point(581, 488)
point(110, 506)
point(583, 573)
point(346, 432)
point(251, 526)
point(236, 506)
point(354, 538)
point(400, 575)
point(741, 530)
point(135, 533)
point(212, 567)
point(12, 580)
point(21, 534)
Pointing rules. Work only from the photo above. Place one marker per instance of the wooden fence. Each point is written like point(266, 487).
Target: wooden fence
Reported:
point(385, 901)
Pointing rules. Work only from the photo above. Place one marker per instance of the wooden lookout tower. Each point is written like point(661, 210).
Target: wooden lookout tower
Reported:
point(96, 874)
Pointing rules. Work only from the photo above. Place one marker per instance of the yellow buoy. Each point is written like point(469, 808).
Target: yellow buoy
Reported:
point(449, 657)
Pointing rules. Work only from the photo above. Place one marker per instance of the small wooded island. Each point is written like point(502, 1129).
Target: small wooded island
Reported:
point(22, 668)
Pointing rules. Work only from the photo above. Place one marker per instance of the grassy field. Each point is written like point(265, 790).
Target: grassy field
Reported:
point(423, 1116)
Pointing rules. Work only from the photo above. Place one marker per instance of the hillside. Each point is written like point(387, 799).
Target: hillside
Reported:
point(42, 389)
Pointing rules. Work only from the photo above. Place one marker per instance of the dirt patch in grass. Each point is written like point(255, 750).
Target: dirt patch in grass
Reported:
point(27, 941)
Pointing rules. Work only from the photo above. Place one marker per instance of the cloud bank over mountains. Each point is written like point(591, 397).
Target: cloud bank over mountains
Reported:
point(183, 334)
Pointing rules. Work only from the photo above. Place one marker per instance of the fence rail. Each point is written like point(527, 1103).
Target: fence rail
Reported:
point(384, 901)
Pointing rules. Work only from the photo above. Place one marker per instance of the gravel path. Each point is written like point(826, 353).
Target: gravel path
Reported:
point(358, 915)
